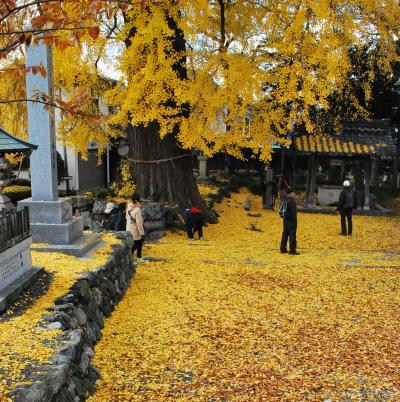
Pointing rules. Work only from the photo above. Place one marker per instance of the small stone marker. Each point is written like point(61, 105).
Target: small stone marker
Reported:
point(247, 204)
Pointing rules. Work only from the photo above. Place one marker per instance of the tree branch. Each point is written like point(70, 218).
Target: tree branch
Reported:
point(23, 6)
point(222, 24)
point(71, 111)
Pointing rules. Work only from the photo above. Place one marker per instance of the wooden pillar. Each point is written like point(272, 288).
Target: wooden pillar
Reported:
point(358, 174)
point(367, 179)
point(313, 180)
point(309, 178)
point(342, 171)
point(294, 167)
point(374, 172)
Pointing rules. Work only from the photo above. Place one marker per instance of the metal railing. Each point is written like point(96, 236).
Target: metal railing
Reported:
point(14, 227)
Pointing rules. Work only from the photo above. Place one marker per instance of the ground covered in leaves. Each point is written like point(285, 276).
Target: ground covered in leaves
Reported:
point(231, 319)
point(23, 342)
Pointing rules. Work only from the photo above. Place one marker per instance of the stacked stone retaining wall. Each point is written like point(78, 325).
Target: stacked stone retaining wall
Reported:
point(79, 314)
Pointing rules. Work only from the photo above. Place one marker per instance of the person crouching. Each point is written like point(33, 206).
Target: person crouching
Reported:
point(194, 218)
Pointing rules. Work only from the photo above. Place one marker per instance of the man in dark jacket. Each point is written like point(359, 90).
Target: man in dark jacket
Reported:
point(347, 202)
point(290, 224)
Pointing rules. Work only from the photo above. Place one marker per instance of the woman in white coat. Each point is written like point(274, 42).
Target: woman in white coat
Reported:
point(134, 224)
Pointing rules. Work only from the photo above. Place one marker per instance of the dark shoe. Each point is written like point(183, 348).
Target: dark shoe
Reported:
point(294, 253)
point(284, 251)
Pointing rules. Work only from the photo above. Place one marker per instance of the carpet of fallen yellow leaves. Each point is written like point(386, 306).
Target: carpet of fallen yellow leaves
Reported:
point(231, 319)
point(22, 343)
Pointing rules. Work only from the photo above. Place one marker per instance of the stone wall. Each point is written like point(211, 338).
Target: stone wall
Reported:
point(154, 216)
point(79, 314)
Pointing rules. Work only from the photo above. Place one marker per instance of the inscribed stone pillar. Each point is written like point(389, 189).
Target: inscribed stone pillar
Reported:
point(268, 198)
point(41, 126)
point(203, 166)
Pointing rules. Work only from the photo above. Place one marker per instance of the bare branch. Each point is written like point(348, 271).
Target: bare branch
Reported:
point(71, 111)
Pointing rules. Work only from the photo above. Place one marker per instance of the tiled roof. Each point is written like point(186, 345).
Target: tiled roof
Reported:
point(9, 144)
point(360, 137)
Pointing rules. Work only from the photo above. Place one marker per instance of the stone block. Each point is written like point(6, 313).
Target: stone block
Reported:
point(329, 195)
point(153, 212)
point(54, 212)
point(14, 262)
point(52, 233)
point(83, 246)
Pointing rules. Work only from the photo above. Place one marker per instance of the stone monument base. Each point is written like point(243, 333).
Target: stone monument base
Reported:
point(203, 180)
point(59, 211)
point(52, 221)
point(57, 233)
point(77, 248)
point(16, 272)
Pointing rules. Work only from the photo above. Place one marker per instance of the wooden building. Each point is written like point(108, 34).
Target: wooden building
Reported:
point(358, 150)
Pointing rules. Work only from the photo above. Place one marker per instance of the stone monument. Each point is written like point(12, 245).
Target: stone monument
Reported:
point(52, 222)
point(203, 172)
point(268, 196)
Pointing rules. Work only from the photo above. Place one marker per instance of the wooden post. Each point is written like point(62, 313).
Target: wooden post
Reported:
point(342, 171)
point(367, 179)
point(374, 172)
point(294, 169)
point(358, 174)
point(309, 178)
point(313, 180)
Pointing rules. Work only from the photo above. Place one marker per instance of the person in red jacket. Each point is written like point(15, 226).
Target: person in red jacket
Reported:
point(194, 218)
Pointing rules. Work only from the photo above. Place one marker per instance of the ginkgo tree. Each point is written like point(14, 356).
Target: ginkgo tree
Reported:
point(217, 75)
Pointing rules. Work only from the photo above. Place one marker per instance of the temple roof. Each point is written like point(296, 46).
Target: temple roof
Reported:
point(11, 144)
point(359, 137)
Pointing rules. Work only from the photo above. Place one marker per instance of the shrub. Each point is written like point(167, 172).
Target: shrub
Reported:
point(17, 193)
point(21, 182)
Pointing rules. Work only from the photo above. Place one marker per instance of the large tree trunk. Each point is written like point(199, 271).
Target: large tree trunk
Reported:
point(162, 171)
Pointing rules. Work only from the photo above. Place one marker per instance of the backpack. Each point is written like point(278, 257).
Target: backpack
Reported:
point(283, 210)
point(349, 199)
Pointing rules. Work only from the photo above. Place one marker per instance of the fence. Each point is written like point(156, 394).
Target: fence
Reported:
point(14, 227)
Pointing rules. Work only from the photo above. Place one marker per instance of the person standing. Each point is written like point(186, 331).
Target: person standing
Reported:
point(288, 211)
point(347, 202)
point(134, 224)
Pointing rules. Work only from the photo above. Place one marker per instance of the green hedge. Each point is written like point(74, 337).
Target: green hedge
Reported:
point(21, 182)
point(17, 193)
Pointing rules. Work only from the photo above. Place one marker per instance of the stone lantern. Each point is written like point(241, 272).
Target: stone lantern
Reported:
point(9, 144)
point(5, 176)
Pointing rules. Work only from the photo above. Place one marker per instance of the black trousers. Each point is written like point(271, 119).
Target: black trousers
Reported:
point(192, 228)
point(289, 232)
point(346, 214)
point(137, 245)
